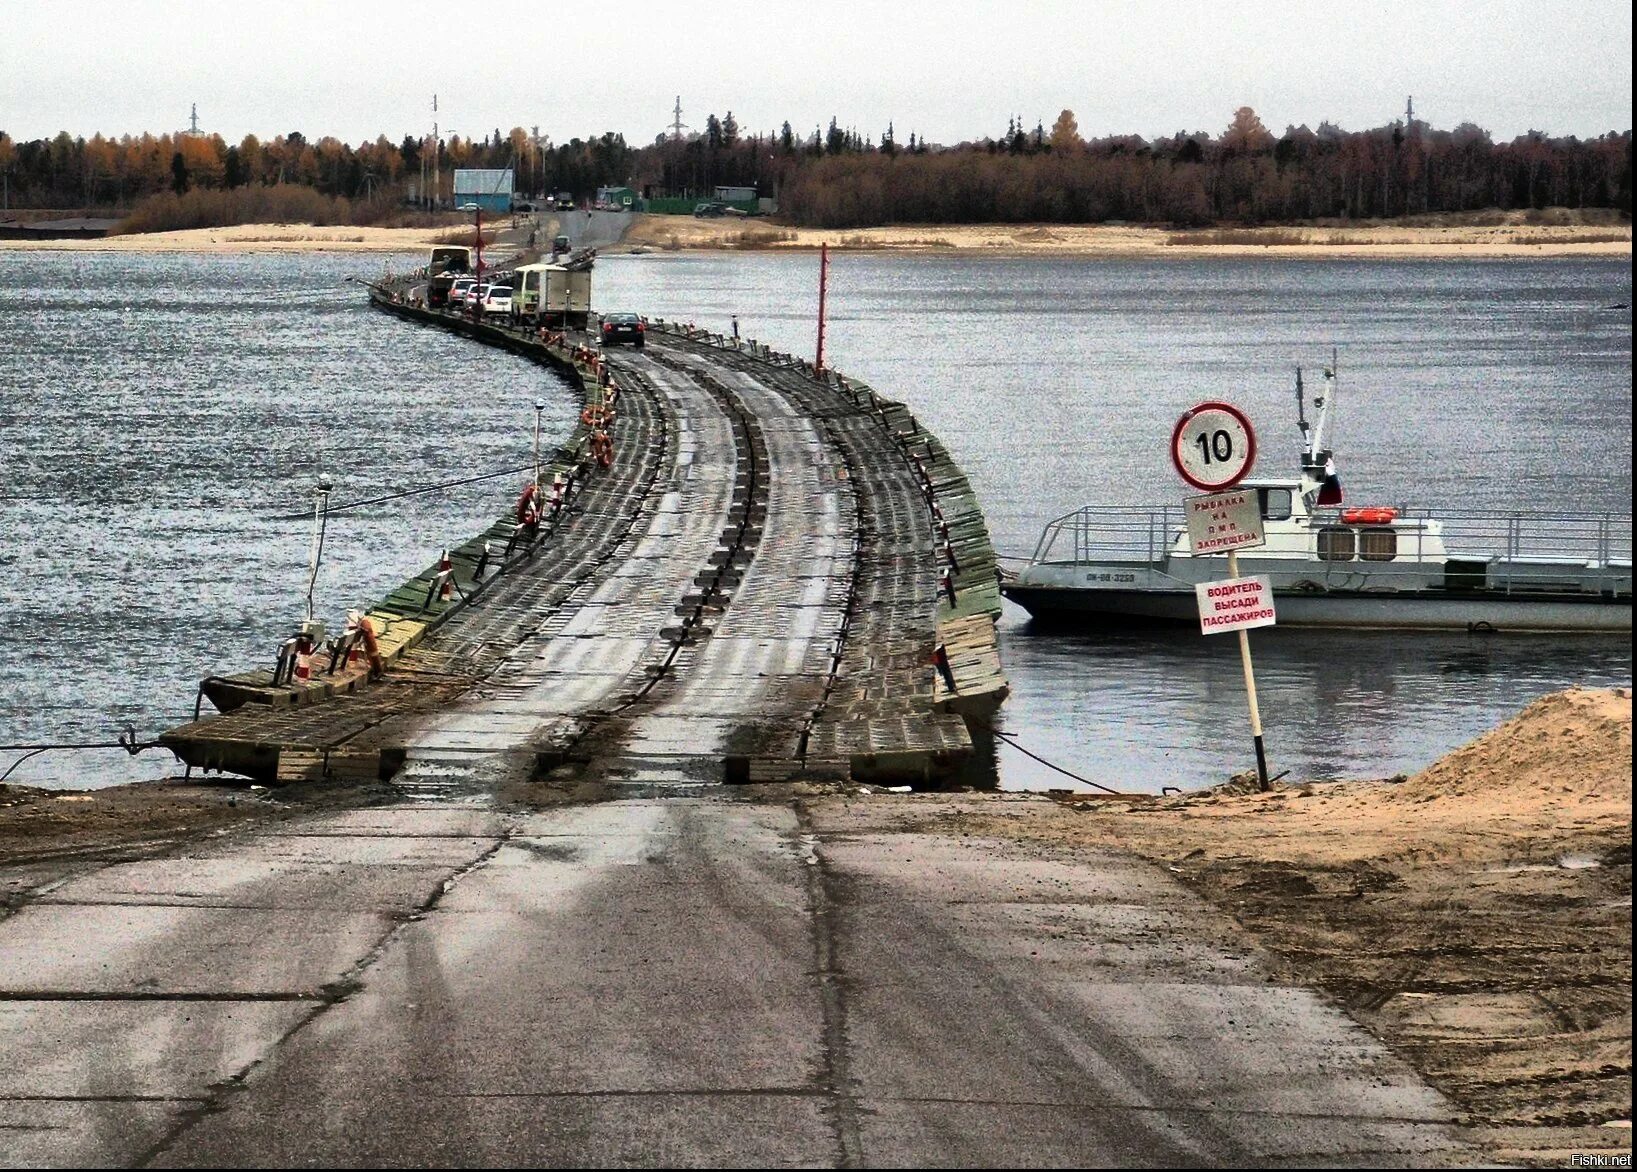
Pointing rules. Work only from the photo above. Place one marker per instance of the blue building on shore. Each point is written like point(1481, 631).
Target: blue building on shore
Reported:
point(486, 189)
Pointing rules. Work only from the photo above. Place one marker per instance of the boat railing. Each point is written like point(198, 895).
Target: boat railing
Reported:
point(1598, 539)
point(1523, 551)
point(1110, 533)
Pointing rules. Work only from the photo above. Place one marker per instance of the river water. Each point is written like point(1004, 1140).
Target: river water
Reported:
point(159, 414)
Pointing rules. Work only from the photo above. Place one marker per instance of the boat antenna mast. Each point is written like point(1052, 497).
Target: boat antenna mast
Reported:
point(1324, 402)
point(1319, 477)
point(1301, 420)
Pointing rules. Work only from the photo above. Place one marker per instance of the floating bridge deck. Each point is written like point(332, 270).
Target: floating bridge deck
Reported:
point(753, 589)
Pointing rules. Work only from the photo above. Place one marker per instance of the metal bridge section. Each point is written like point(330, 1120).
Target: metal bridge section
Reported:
point(779, 575)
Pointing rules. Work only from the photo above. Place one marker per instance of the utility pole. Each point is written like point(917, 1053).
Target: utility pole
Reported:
point(538, 178)
point(676, 121)
point(437, 177)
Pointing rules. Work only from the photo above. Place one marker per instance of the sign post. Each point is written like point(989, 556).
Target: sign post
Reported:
point(1213, 447)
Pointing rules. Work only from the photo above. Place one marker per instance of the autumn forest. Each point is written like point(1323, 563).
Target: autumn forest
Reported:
point(1244, 174)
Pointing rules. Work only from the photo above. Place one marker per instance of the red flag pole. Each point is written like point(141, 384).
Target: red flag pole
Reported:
point(824, 273)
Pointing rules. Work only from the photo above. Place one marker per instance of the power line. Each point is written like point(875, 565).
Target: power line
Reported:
point(408, 492)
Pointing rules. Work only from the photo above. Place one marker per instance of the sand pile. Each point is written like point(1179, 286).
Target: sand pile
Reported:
point(1573, 745)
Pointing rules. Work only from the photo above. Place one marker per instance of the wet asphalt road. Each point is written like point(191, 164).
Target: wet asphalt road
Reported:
point(672, 981)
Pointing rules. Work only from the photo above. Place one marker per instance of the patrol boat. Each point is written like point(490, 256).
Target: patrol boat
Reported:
point(1330, 566)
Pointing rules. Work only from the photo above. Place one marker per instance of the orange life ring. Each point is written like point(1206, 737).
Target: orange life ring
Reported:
point(1374, 515)
point(526, 511)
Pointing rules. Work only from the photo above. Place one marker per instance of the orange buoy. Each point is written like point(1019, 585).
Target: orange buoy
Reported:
point(1373, 515)
point(527, 510)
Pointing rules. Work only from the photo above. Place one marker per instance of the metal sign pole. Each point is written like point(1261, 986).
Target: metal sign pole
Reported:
point(1250, 689)
point(1213, 447)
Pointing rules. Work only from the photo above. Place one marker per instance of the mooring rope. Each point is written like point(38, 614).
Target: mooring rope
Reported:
point(1012, 741)
point(127, 741)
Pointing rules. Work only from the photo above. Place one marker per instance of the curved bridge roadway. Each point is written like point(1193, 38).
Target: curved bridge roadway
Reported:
point(735, 619)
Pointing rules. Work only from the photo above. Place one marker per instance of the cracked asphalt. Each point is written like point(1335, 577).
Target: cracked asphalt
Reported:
point(671, 981)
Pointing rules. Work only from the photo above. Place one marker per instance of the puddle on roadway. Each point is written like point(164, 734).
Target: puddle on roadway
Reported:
point(1563, 863)
point(475, 785)
point(433, 782)
point(638, 788)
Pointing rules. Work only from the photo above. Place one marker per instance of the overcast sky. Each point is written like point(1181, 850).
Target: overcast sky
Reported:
point(947, 71)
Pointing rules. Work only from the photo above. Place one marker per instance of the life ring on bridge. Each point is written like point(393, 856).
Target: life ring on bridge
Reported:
point(602, 448)
point(527, 511)
point(1374, 515)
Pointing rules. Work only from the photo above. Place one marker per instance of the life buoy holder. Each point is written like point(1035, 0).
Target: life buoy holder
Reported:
point(1374, 515)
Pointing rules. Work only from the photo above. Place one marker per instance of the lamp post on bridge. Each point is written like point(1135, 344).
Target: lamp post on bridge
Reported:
point(539, 406)
point(824, 275)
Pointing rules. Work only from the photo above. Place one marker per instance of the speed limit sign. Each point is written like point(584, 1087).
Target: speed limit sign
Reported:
point(1213, 446)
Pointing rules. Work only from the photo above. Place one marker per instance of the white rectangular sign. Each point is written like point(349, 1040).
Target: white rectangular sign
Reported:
point(1223, 521)
point(1234, 604)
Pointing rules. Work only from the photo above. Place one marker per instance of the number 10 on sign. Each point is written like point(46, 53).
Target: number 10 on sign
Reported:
point(1213, 446)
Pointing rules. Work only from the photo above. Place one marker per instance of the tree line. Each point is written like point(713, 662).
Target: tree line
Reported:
point(119, 173)
point(838, 178)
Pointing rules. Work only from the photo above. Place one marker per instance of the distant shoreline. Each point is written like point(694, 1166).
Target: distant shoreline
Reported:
point(661, 234)
point(1370, 241)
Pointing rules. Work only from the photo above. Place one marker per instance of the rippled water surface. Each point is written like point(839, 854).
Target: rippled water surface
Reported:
point(159, 412)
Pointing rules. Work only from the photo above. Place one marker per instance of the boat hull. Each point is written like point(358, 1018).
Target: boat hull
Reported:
point(1429, 610)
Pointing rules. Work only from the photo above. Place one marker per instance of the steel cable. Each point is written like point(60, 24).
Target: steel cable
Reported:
point(1012, 741)
point(127, 741)
point(393, 496)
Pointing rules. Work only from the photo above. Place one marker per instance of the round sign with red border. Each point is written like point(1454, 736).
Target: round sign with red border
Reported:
point(1213, 446)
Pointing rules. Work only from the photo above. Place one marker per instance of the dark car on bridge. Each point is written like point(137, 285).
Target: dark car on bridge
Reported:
point(623, 327)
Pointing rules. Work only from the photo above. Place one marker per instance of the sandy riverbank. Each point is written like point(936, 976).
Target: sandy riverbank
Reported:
point(1476, 916)
point(1509, 235)
point(1513, 237)
point(251, 238)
